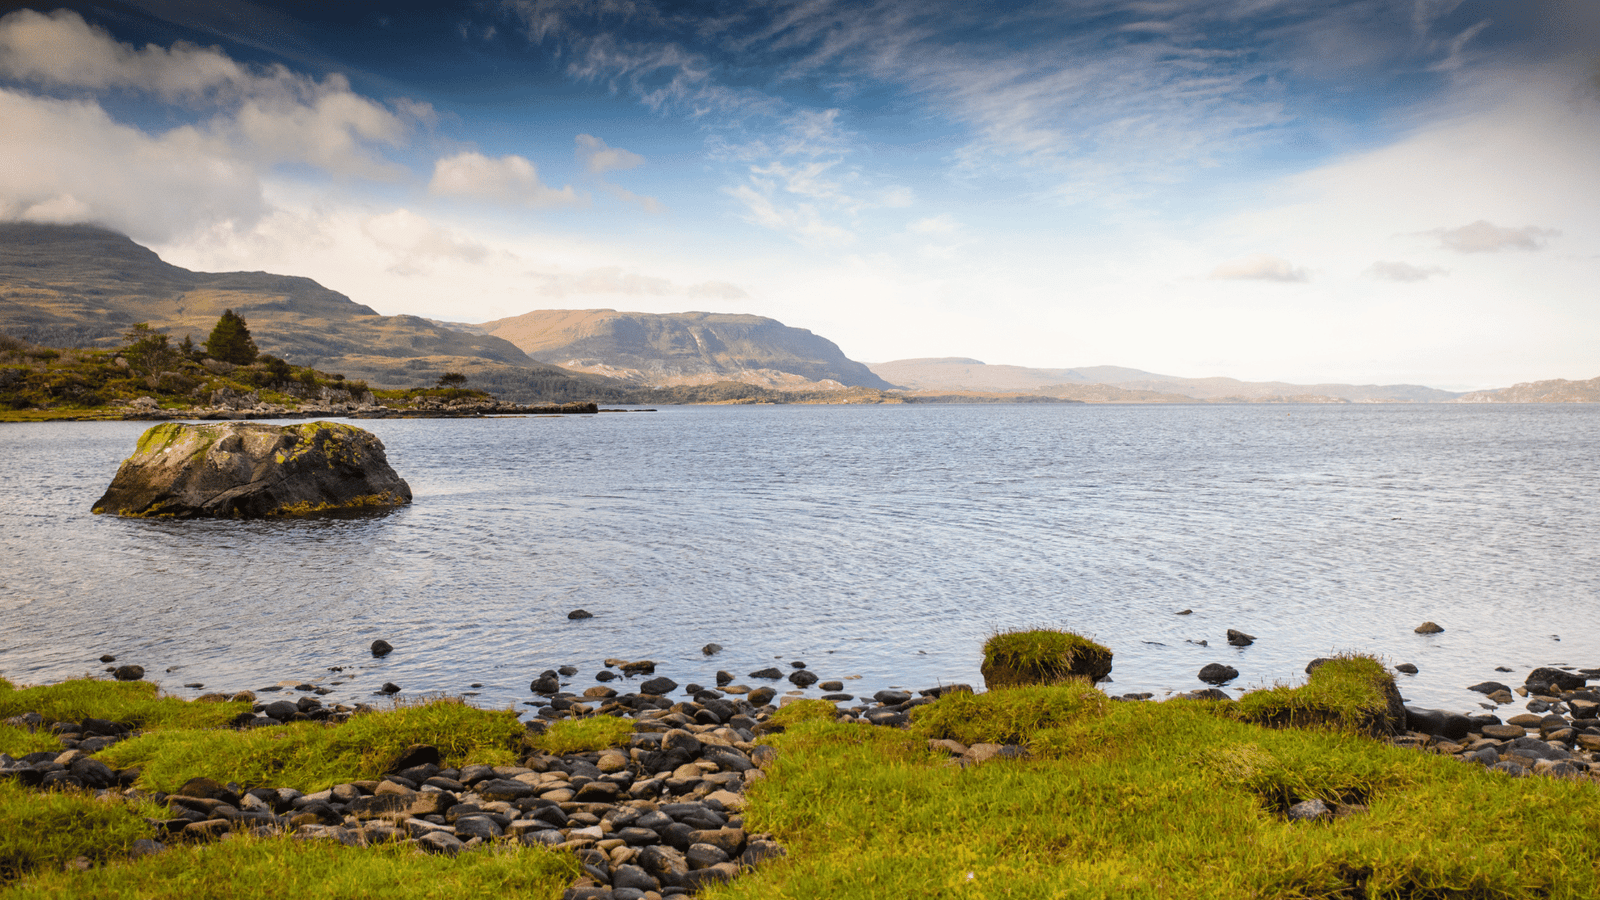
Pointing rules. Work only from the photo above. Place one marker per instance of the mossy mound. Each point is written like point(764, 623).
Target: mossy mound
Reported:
point(1353, 693)
point(1042, 656)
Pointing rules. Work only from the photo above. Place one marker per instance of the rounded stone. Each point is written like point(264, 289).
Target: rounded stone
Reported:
point(1217, 673)
point(381, 648)
point(658, 685)
point(128, 673)
point(1428, 628)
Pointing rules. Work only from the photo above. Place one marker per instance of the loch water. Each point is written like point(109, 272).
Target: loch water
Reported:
point(881, 544)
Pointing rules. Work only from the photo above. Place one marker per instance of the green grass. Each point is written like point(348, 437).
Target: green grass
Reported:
point(134, 703)
point(1042, 656)
point(44, 830)
point(19, 742)
point(311, 756)
point(309, 870)
point(580, 735)
point(1152, 800)
point(805, 711)
point(1018, 715)
point(1350, 692)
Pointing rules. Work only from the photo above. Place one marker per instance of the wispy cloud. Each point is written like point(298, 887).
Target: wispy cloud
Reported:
point(1387, 270)
point(1259, 267)
point(1485, 237)
point(599, 158)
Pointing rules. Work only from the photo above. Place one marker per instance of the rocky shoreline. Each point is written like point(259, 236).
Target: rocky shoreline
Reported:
point(662, 815)
point(246, 409)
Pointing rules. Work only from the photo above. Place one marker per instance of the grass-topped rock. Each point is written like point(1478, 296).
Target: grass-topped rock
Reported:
point(239, 470)
point(1042, 656)
point(1352, 693)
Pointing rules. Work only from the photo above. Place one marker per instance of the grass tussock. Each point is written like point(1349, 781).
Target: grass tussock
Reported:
point(47, 830)
point(311, 756)
point(805, 711)
point(1042, 656)
point(1352, 692)
point(133, 703)
point(309, 870)
point(1016, 715)
point(1154, 800)
point(581, 735)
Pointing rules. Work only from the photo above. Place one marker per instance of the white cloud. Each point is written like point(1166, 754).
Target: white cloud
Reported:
point(1259, 267)
point(269, 116)
point(1402, 271)
point(598, 158)
point(1483, 237)
point(67, 161)
point(509, 180)
point(62, 50)
point(415, 241)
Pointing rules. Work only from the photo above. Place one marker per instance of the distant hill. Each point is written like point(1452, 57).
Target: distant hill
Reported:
point(1119, 384)
point(680, 349)
point(83, 286)
point(1558, 390)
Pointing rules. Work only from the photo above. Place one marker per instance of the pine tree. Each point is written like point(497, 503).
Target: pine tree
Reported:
point(230, 341)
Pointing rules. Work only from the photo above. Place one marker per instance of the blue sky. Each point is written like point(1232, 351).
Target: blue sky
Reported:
point(1352, 191)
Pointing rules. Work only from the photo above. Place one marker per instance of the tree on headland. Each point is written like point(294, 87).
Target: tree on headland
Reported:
point(230, 341)
point(452, 380)
point(147, 349)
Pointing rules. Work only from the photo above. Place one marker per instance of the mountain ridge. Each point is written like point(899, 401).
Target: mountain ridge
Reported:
point(666, 349)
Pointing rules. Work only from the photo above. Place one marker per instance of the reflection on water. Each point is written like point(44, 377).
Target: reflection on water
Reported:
point(885, 542)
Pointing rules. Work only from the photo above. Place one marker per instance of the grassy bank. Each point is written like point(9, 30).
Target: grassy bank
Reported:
point(1178, 799)
point(1095, 798)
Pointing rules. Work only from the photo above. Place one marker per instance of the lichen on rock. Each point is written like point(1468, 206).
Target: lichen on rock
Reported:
point(250, 470)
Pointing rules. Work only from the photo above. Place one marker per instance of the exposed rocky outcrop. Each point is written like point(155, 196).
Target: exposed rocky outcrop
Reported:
point(248, 470)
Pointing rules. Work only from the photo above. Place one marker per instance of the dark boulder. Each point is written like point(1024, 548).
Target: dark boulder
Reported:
point(381, 648)
point(580, 614)
point(128, 673)
point(1437, 722)
point(250, 470)
point(1240, 639)
point(1217, 673)
point(1566, 681)
point(1489, 687)
point(769, 672)
point(1428, 628)
point(658, 686)
point(803, 678)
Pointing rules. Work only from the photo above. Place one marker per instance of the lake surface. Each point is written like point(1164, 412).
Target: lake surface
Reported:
point(879, 542)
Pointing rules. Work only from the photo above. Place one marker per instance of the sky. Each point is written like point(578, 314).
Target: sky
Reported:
point(1314, 191)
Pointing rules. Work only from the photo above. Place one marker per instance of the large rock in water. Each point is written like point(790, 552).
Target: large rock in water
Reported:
point(248, 470)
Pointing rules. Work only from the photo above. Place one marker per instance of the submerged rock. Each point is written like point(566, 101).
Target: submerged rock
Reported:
point(249, 470)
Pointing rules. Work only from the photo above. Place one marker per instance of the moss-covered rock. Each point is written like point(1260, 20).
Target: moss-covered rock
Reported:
point(1042, 656)
point(1352, 693)
point(239, 470)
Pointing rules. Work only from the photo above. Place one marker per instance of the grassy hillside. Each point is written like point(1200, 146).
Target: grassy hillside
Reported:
point(84, 286)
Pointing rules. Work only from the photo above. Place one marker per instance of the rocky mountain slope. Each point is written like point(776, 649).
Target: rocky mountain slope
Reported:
point(83, 286)
point(1558, 390)
point(1119, 384)
point(683, 348)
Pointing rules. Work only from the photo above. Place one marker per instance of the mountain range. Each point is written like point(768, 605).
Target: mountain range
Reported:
point(82, 285)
